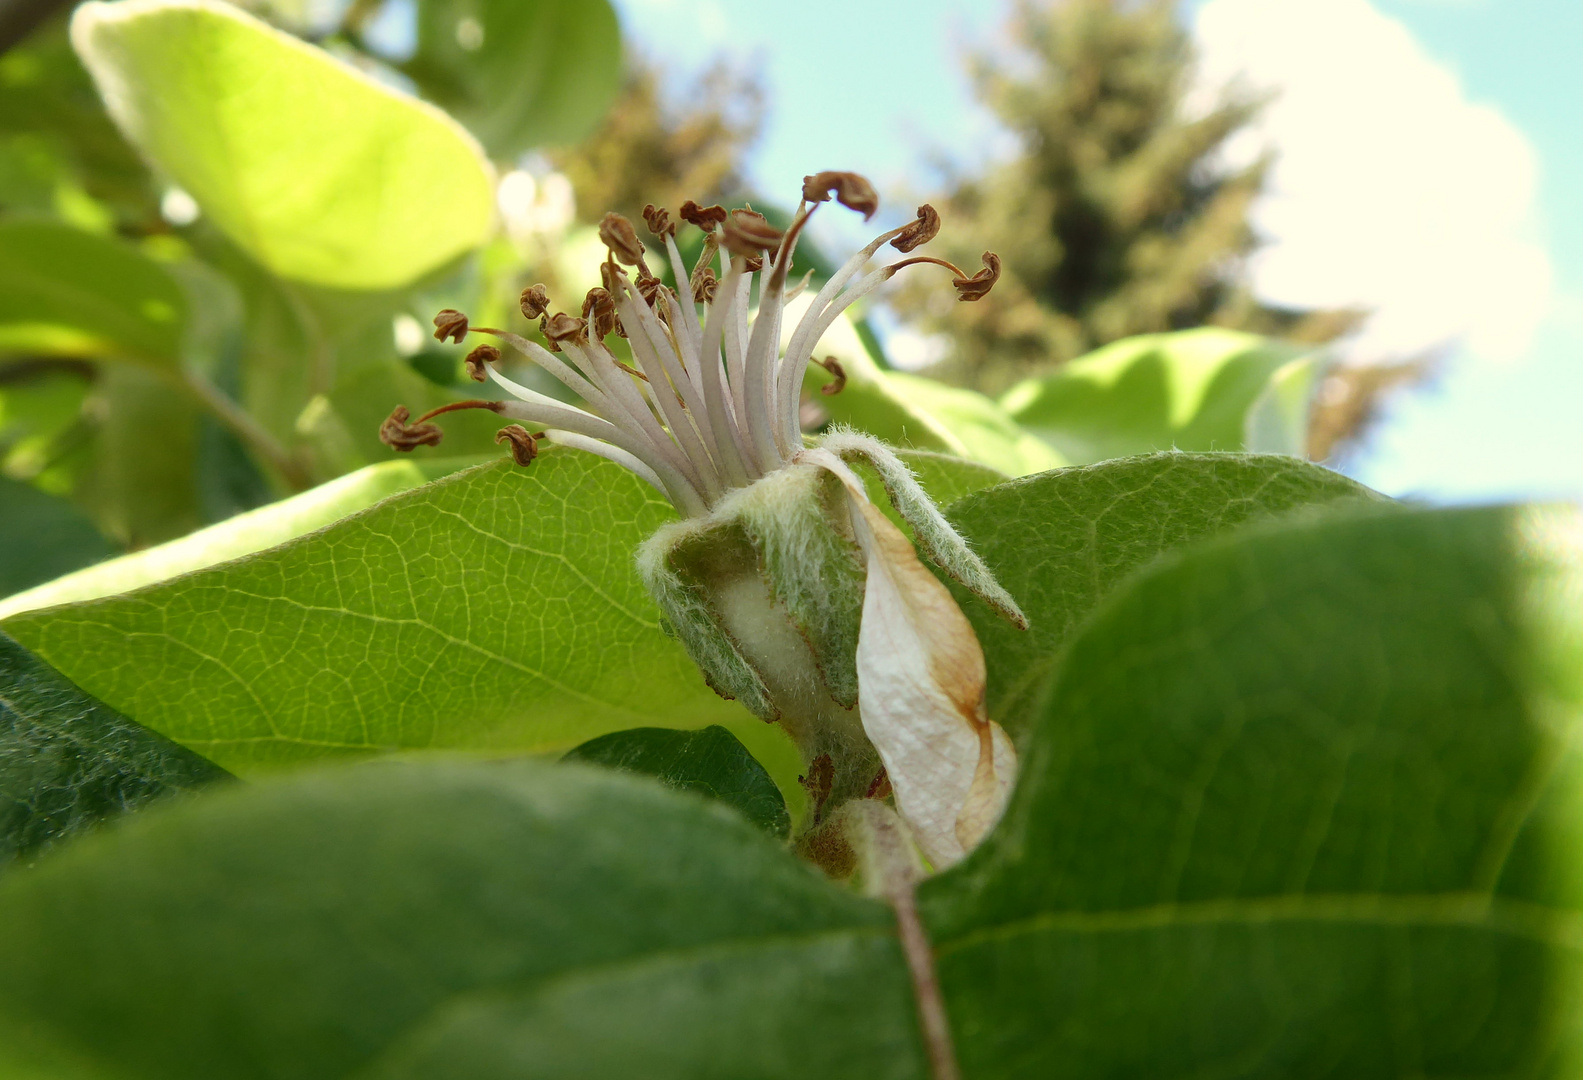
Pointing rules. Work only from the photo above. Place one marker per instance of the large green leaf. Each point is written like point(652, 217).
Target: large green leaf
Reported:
point(42, 536)
point(66, 291)
point(520, 73)
point(1204, 389)
point(1061, 541)
point(321, 173)
point(444, 920)
point(68, 762)
point(711, 762)
point(1307, 801)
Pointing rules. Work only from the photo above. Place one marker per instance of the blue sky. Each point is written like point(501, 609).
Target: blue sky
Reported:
point(1462, 111)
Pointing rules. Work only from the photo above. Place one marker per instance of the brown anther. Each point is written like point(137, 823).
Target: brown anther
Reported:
point(920, 232)
point(617, 234)
point(851, 190)
point(397, 434)
point(658, 219)
point(705, 217)
point(749, 233)
point(563, 327)
point(977, 287)
point(524, 444)
point(880, 787)
point(535, 301)
point(704, 286)
point(753, 264)
point(838, 382)
point(599, 309)
point(450, 323)
point(478, 360)
point(651, 288)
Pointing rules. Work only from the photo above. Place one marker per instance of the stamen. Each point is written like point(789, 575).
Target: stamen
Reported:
point(599, 310)
point(920, 232)
point(658, 219)
point(704, 286)
point(617, 234)
point(452, 324)
point(636, 374)
point(524, 444)
point(851, 190)
point(919, 259)
point(977, 287)
point(478, 362)
point(838, 383)
point(397, 434)
point(705, 217)
point(535, 301)
point(748, 233)
point(471, 403)
point(561, 327)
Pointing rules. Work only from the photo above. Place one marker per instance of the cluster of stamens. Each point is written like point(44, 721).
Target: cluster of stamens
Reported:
point(713, 403)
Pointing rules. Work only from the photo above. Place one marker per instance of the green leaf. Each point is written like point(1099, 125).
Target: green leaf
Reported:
point(711, 762)
point(520, 73)
point(1061, 541)
point(68, 761)
point(912, 411)
point(497, 609)
point(1305, 801)
point(321, 173)
point(68, 292)
point(443, 920)
point(1204, 389)
point(241, 535)
point(42, 536)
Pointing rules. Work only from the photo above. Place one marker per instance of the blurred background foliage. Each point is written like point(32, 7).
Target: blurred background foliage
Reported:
point(212, 292)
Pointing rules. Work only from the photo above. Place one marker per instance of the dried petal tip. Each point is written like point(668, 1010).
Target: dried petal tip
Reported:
point(704, 286)
point(851, 190)
point(838, 383)
point(563, 327)
point(705, 217)
point(749, 233)
point(977, 287)
point(658, 219)
point(450, 323)
point(478, 360)
point(617, 234)
point(920, 232)
point(599, 309)
point(398, 435)
point(524, 444)
point(535, 301)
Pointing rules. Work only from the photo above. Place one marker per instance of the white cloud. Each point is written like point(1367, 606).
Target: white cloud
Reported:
point(1392, 189)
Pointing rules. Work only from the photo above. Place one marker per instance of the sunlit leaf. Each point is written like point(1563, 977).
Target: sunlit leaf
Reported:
point(321, 173)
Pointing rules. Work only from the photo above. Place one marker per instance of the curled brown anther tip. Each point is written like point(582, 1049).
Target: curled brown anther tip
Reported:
point(651, 288)
point(836, 384)
point(704, 286)
point(524, 444)
point(599, 309)
point(658, 219)
point(753, 264)
point(563, 327)
point(450, 323)
point(977, 287)
point(749, 233)
point(397, 434)
point(705, 217)
point(920, 232)
point(851, 190)
point(535, 301)
point(617, 234)
point(478, 360)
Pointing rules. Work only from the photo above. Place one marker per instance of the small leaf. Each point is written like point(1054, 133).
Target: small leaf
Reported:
point(711, 762)
point(70, 293)
point(1190, 390)
point(68, 761)
point(321, 173)
point(42, 536)
point(1302, 801)
point(449, 919)
point(520, 74)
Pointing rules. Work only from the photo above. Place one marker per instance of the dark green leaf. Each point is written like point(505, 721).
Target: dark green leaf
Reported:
point(42, 536)
point(68, 761)
point(1062, 540)
point(711, 762)
point(1302, 802)
point(446, 920)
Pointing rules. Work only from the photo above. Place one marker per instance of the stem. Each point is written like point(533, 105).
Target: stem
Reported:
point(321, 355)
point(249, 430)
point(925, 986)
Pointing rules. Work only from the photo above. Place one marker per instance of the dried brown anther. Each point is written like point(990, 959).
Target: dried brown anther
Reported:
point(397, 434)
point(617, 234)
point(851, 190)
point(705, 217)
point(838, 382)
point(749, 233)
point(478, 360)
point(658, 219)
point(651, 288)
point(563, 327)
point(535, 301)
point(704, 286)
point(599, 309)
point(450, 323)
point(524, 444)
point(920, 232)
point(977, 287)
